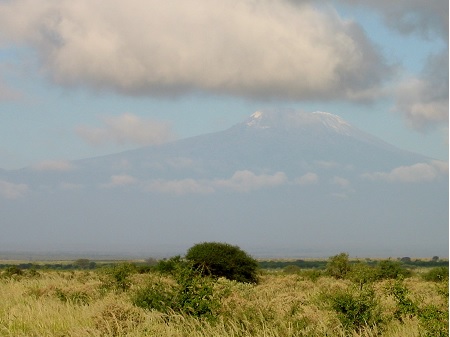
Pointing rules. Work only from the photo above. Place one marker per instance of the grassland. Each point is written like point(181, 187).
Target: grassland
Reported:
point(289, 302)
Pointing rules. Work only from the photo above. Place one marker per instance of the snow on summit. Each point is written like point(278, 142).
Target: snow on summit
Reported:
point(296, 119)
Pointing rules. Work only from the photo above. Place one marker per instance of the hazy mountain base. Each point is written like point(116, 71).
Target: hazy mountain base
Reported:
point(284, 222)
point(298, 184)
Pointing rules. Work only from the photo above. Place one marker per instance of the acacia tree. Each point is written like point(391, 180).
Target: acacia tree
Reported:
point(223, 260)
point(339, 265)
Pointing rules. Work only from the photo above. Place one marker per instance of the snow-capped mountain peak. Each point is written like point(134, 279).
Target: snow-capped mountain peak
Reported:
point(333, 122)
point(289, 120)
point(257, 120)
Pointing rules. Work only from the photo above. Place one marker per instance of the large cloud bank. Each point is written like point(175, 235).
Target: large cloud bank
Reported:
point(421, 98)
point(264, 49)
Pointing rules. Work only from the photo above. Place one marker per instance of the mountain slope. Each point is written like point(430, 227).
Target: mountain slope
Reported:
point(290, 183)
point(266, 141)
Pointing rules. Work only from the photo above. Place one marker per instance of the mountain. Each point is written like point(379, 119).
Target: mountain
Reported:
point(288, 183)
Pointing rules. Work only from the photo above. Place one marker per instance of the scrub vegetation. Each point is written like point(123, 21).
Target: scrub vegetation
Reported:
point(176, 297)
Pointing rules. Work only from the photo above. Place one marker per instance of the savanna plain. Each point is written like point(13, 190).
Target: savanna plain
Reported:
point(338, 296)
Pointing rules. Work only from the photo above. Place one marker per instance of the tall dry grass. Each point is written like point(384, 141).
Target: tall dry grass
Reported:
point(75, 304)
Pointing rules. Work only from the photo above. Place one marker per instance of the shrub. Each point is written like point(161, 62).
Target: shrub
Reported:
point(388, 269)
point(74, 297)
point(192, 294)
point(12, 271)
point(361, 273)
point(223, 260)
point(404, 305)
point(356, 308)
point(338, 266)
point(117, 277)
point(169, 266)
point(433, 322)
point(438, 274)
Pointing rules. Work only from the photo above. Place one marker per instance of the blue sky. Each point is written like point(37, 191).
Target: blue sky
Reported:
point(80, 80)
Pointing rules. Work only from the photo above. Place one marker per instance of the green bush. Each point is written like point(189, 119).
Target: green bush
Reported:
point(433, 322)
point(405, 306)
point(388, 269)
point(361, 273)
point(356, 308)
point(117, 277)
point(223, 260)
point(12, 271)
point(338, 266)
point(169, 266)
point(438, 274)
point(192, 294)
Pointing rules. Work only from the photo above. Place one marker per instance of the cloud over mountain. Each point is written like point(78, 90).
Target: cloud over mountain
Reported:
point(265, 49)
point(420, 172)
point(10, 190)
point(126, 129)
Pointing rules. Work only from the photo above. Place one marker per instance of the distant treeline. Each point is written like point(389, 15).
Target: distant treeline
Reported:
point(321, 264)
point(84, 264)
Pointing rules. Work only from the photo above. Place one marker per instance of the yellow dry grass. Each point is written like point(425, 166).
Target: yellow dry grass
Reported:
point(73, 304)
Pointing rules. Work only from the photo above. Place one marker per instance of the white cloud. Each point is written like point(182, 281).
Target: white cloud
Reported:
point(120, 180)
point(423, 100)
point(127, 129)
point(53, 165)
point(420, 172)
point(180, 187)
point(266, 49)
point(10, 190)
point(246, 181)
point(307, 179)
point(342, 182)
point(240, 181)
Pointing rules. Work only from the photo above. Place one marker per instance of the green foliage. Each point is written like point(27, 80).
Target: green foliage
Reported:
point(12, 271)
point(82, 263)
point(405, 307)
point(74, 297)
point(356, 308)
point(158, 295)
point(388, 269)
point(309, 264)
point(192, 294)
point(223, 260)
point(433, 322)
point(438, 274)
point(338, 266)
point(117, 277)
point(169, 266)
point(426, 263)
point(361, 273)
point(291, 269)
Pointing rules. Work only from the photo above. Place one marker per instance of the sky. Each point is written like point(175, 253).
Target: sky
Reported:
point(85, 78)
